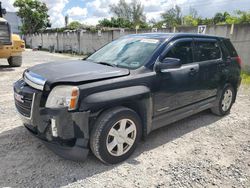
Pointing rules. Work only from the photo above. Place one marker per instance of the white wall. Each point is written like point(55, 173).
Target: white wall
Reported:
point(87, 42)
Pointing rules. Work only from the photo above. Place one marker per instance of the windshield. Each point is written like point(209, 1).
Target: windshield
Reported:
point(126, 52)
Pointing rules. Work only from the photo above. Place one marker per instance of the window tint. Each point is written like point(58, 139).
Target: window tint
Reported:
point(126, 52)
point(230, 48)
point(207, 51)
point(182, 51)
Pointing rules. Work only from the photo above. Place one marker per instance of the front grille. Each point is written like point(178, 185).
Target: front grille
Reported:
point(24, 96)
point(25, 107)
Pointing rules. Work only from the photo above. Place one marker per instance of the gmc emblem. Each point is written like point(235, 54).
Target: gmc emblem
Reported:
point(18, 97)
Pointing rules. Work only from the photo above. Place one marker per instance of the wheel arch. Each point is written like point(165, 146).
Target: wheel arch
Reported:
point(235, 85)
point(137, 98)
point(232, 83)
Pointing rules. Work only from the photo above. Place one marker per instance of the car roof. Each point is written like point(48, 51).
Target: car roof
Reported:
point(163, 36)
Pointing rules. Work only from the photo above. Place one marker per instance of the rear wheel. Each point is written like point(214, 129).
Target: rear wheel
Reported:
point(115, 135)
point(225, 101)
point(15, 61)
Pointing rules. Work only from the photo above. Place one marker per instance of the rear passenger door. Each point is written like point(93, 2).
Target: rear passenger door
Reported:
point(209, 57)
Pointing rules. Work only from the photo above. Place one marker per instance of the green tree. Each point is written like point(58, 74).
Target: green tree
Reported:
point(189, 20)
point(243, 17)
point(138, 16)
point(172, 17)
point(116, 22)
point(240, 17)
point(133, 12)
point(121, 10)
point(105, 23)
point(207, 21)
point(192, 18)
point(193, 12)
point(232, 20)
point(220, 18)
point(74, 25)
point(34, 15)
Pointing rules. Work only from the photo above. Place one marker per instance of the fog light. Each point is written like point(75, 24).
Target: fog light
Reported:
point(54, 128)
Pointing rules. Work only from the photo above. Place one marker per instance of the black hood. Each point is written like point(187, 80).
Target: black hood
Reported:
point(76, 71)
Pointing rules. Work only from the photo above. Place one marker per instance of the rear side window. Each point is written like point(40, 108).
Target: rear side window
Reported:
point(231, 50)
point(182, 51)
point(206, 50)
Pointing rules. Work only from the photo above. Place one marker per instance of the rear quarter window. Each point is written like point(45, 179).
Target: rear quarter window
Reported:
point(206, 50)
point(230, 48)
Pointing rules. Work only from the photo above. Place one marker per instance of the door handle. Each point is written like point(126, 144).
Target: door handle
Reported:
point(228, 60)
point(192, 72)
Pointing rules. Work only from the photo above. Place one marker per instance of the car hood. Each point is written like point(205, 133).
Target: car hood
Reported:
point(76, 71)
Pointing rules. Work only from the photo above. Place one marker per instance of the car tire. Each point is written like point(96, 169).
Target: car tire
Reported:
point(115, 135)
point(15, 61)
point(225, 101)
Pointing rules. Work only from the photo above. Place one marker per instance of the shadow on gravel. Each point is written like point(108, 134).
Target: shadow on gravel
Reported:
point(26, 162)
point(6, 68)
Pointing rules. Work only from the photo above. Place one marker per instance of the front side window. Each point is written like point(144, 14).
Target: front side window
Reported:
point(126, 52)
point(182, 51)
point(207, 51)
point(4, 33)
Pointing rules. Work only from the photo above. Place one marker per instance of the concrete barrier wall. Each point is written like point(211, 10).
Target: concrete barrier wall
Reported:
point(87, 42)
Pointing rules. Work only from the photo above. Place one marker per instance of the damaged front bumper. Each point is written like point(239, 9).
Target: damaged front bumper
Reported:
point(65, 133)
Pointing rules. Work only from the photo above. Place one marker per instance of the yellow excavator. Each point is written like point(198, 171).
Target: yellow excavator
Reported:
point(11, 45)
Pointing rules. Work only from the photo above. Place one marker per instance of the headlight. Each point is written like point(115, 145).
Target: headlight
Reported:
point(63, 96)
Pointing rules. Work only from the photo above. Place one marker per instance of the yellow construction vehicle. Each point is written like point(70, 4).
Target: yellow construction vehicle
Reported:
point(11, 45)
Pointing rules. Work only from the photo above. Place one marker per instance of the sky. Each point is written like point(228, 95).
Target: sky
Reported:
point(90, 11)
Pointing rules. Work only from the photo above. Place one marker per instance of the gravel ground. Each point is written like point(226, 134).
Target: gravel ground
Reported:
point(201, 151)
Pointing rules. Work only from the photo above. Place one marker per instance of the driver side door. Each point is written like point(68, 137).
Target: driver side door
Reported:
point(177, 88)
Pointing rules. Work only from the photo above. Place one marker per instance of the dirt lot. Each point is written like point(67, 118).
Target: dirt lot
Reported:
point(201, 151)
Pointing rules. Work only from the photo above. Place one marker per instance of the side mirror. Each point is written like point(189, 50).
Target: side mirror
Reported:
point(168, 63)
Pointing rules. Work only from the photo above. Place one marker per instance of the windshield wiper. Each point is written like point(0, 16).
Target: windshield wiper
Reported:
point(105, 63)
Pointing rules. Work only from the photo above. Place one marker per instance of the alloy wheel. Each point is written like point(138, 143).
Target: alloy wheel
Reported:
point(227, 100)
point(121, 137)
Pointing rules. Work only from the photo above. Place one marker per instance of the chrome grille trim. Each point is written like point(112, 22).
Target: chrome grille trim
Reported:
point(34, 80)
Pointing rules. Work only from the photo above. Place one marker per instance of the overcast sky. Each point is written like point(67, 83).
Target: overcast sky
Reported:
point(90, 11)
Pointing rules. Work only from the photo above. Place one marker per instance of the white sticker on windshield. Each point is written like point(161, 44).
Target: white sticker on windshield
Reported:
point(153, 41)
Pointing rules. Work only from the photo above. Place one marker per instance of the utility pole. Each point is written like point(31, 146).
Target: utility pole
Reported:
point(66, 19)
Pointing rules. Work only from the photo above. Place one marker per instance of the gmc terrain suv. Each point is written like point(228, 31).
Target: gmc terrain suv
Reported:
point(125, 90)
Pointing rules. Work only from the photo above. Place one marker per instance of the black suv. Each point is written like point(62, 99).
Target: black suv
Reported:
point(125, 90)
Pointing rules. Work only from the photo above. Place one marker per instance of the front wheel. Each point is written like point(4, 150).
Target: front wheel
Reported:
point(15, 61)
point(115, 135)
point(225, 101)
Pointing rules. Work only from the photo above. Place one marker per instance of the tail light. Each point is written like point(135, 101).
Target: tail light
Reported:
point(239, 61)
point(22, 46)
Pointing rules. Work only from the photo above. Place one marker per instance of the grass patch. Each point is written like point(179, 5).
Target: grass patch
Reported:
point(245, 77)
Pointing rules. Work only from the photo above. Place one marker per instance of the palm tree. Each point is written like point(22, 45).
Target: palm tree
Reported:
point(133, 12)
